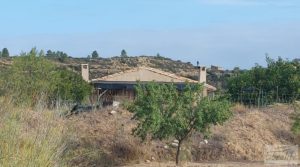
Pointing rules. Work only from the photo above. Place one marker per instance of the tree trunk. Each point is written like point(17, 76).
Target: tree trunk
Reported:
point(178, 152)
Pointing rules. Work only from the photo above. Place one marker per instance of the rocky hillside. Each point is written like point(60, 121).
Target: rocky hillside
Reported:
point(104, 66)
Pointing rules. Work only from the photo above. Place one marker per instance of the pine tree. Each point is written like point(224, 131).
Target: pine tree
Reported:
point(95, 54)
point(5, 52)
point(123, 53)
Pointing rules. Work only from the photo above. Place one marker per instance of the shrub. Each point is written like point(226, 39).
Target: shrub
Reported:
point(33, 79)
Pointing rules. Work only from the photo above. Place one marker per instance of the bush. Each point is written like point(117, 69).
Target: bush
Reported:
point(33, 79)
point(296, 119)
point(278, 82)
point(70, 86)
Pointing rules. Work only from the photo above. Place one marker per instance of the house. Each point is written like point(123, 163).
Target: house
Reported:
point(121, 85)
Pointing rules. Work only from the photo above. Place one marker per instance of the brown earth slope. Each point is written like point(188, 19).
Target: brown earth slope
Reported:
point(244, 137)
point(104, 139)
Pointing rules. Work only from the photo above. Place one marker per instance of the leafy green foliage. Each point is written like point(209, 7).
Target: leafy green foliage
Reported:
point(70, 86)
point(95, 54)
point(33, 79)
point(123, 53)
point(296, 119)
point(61, 56)
point(29, 77)
point(164, 112)
point(279, 81)
point(4, 53)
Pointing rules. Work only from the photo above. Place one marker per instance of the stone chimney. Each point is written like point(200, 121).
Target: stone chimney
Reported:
point(85, 72)
point(202, 74)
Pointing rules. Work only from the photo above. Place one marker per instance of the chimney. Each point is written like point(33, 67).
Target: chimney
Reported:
point(202, 74)
point(85, 72)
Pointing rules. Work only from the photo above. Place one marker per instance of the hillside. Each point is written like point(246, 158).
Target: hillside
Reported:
point(241, 139)
point(104, 66)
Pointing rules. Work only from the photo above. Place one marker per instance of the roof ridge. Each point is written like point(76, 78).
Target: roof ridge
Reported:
point(172, 75)
point(116, 74)
point(155, 70)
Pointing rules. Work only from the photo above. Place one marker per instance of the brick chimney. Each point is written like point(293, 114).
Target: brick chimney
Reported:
point(85, 72)
point(202, 74)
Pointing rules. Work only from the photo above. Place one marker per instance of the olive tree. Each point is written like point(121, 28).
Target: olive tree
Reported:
point(164, 112)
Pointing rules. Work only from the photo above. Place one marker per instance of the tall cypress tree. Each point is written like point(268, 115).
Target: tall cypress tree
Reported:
point(95, 54)
point(123, 53)
point(5, 52)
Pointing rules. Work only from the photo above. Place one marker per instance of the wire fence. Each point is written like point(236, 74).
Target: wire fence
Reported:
point(262, 98)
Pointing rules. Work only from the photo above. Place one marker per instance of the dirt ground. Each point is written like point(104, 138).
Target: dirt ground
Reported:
point(212, 164)
point(104, 139)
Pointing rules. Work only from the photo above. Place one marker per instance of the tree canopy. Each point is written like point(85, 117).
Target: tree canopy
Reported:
point(33, 79)
point(164, 112)
point(95, 54)
point(278, 82)
point(4, 53)
point(61, 56)
point(123, 53)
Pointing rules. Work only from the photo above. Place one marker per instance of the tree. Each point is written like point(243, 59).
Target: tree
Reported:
point(61, 56)
point(69, 86)
point(163, 112)
point(95, 54)
point(278, 82)
point(33, 79)
point(123, 53)
point(50, 53)
point(30, 77)
point(5, 52)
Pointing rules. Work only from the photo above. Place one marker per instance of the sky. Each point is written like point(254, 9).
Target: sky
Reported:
point(227, 33)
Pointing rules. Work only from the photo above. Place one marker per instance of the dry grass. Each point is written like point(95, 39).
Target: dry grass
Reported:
point(246, 134)
point(102, 139)
point(30, 138)
point(208, 164)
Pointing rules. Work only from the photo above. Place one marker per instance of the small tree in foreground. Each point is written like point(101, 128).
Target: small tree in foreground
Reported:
point(164, 112)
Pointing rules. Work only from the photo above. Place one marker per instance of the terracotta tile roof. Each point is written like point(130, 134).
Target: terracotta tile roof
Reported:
point(168, 74)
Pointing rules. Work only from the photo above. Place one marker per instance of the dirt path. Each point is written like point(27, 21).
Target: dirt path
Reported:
point(212, 164)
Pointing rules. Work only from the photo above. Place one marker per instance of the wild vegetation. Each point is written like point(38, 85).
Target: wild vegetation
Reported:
point(4, 53)
point(30, 137)
point(163, 112)
point(278, 82)
point(32, 80)
point(34, 132)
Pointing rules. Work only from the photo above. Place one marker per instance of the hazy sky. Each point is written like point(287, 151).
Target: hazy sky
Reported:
point(222, 32)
